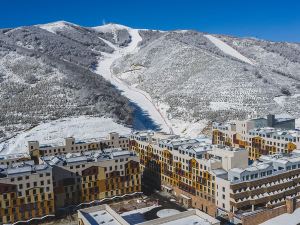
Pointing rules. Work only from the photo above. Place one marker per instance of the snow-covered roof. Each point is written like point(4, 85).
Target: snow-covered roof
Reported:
point(286, 219)
point(190, 217)
point(22, 167)
point(219, 172)
point(87, 156)
point(14, 156)
point(275, 132)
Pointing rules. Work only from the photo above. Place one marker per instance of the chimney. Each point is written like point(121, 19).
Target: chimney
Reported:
point(290, 204)
point(270, 120)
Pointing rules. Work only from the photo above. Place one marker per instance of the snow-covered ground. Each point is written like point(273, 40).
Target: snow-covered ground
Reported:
point(281, 100)
point(286, 219)
point(139, 97)
point(110, 27)
point(55, 26)
point(228, 49)
point(186, 128)
point(215, 106)
point(82, 128)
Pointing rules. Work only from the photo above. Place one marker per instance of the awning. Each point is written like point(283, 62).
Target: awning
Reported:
point(166, 187)
point(184, 196)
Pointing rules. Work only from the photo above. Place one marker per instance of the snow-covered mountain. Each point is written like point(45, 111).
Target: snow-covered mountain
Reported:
point(177, 81)
point(47, 72)
point(197, 76)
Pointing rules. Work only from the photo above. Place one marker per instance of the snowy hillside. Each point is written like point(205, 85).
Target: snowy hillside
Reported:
point(83, 128)
point(46, 75)
point(204, 77)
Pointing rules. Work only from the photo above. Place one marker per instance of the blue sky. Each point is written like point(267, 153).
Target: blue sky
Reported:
point(273, 20)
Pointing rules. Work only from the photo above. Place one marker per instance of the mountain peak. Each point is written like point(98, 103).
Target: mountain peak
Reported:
point(54, 26)
point(110, 27)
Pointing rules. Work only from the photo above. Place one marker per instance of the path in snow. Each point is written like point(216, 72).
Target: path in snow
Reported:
point(228, 49)
point(137, 96)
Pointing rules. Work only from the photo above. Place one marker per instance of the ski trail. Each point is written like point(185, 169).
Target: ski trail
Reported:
point(228, 49)
point(137, 96)
point(108, 43)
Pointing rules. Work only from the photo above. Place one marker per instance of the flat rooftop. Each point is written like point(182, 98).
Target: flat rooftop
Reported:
point(103, 214)
point(88, 156)
point(101, 217)
point(190, 220)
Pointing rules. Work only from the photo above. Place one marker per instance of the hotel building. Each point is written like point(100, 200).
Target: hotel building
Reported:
point(26, 191)
point(57, 184)
point(186, 168)
point(14, 158)
point(267, 188)
point(94, 175)
point(113, 140)
point(257, 135)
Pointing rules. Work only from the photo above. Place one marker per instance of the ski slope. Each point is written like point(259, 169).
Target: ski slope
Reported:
point(137, 96)
point(81, 128)
point(228, 49)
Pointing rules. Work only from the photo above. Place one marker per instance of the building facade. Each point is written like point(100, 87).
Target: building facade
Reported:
point(257, 137)
point(113, 140)
point(93, 175)
point(26, 191)
point(184, 167)
point(261, 187)
point(14, 158)
point(59, 183)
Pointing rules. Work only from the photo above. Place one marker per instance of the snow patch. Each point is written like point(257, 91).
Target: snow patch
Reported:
point(286, 219)
point(191, 129)
point(281, 100)
point(216, 106)
point(110, 27)
point(167, 212)
point(81, 128)
point(142, 210)
point(55, 26)
point(228, 49)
